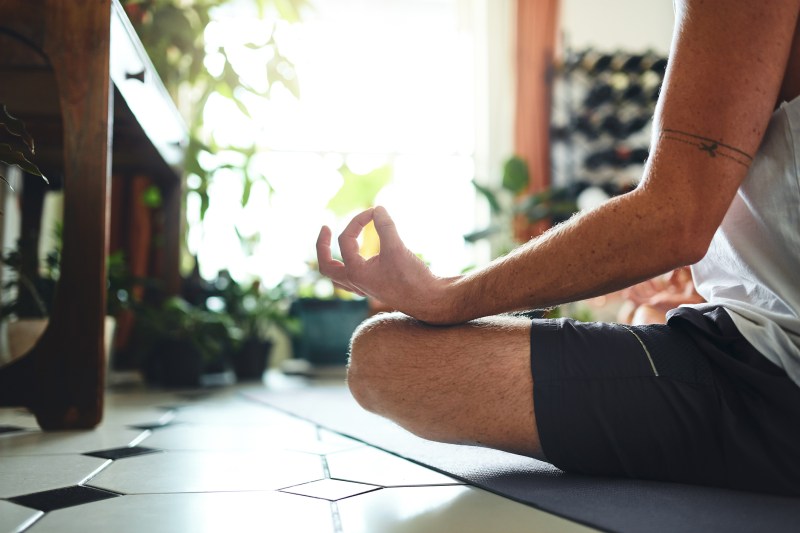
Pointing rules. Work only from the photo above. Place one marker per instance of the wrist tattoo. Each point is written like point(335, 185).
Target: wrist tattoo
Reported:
point(709, 146)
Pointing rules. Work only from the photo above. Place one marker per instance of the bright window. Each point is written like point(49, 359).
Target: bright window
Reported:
point(381, 82)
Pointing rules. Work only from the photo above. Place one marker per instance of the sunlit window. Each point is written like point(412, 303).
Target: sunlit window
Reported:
point(383, 83)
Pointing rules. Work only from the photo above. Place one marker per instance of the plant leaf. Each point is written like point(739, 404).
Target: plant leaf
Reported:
point(12, 156)
point(242, 107)
point(491, 197)
point(204, 203)
point(151, 197)
point(482, 234)
point(246, 190)
point(288, 10)
point(515, 175)
point(359, 190)
point(16, 127)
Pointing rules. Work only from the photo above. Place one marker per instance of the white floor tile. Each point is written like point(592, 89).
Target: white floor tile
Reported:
point(225, 467)
point(124, 416)
point(143, 398)
point(331, 489)
point(459, 509)
point(240, 512)
point(327, 443)
point(219, 437)
point(67, 442)
point(329, 436)
point(320, 447)
point(17, 416)
point(173, 471)
point(14, 518)
point(375, 467)
point(26, 474)
point(235, 410)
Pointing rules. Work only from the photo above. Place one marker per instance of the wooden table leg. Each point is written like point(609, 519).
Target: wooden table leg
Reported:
point(62, 378)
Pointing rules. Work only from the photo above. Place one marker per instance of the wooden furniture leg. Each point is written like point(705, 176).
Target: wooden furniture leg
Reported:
point(62, 378)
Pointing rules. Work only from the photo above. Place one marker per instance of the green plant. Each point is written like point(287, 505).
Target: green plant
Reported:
point(358, 191)
point(512, 200)
point(210, 333)
point(216, 325)
point(119, 284)
point(19, 149)
point(174, 35)
point(30, 292)
point(255, 311)
point(27, 296)
point(32, 295)
point(175, 343)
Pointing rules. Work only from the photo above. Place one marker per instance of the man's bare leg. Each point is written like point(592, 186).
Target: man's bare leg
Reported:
point(466, 384)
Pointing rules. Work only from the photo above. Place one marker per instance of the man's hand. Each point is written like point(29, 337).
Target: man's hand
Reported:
point(396, 277)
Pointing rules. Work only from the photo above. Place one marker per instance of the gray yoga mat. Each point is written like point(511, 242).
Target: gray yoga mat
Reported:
point(604, 503)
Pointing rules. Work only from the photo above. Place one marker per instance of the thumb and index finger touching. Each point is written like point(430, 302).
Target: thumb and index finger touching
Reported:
point(348, 239)
point(384, 226)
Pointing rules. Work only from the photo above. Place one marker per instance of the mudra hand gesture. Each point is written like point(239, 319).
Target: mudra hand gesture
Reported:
point(395, 277)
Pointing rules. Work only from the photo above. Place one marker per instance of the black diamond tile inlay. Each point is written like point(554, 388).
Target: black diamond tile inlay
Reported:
point(11, 429)
point(122, 453)
point(51, 500)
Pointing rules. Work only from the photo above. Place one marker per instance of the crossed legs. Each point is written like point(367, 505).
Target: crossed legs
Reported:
point(465, 384)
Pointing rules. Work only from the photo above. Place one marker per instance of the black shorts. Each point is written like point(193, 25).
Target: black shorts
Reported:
point(688, 401)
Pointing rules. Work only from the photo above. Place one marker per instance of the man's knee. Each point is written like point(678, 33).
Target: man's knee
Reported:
point(374, 351)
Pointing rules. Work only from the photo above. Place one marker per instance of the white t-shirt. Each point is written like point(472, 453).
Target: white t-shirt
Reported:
point(752, 268)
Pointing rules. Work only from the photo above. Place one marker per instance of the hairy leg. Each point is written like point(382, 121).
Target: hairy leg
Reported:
point(466, 384)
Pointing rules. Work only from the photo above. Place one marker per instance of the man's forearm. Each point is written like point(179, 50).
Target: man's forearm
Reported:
point(627, 240)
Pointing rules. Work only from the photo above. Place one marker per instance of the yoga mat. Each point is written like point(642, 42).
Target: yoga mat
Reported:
point(605, 503)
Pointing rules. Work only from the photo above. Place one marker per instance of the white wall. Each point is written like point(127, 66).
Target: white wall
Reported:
point(609, 25)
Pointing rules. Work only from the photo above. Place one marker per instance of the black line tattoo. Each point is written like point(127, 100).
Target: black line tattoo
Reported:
point(710, 146)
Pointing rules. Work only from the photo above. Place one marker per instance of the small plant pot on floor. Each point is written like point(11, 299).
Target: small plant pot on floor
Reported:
point(325, 329)
point(252, 359)
point(174, 364)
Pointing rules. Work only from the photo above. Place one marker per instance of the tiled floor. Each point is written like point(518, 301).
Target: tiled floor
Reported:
point(170, 462)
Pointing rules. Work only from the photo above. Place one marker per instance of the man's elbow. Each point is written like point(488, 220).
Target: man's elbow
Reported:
point(690, 242)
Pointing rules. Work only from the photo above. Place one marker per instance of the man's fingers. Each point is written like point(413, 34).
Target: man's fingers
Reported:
point(384, 225)
point(324, 257)
point(348, 240)
point(324, 244)
point(328, 266)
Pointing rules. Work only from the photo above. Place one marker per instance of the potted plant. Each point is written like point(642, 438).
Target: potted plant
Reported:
point(27, 300)
point(28, 297)
point(258, 314)
point(326, 317)
point(178, 343)
point(512, 204)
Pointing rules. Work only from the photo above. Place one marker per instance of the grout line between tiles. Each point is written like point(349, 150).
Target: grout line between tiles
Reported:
point(95, 472)
point(325, 469)
point(29, 523)
point(337, 519)
point(168, 416)
point(135, 442)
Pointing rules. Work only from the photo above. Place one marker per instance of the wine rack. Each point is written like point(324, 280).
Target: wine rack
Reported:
point(601, 121)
